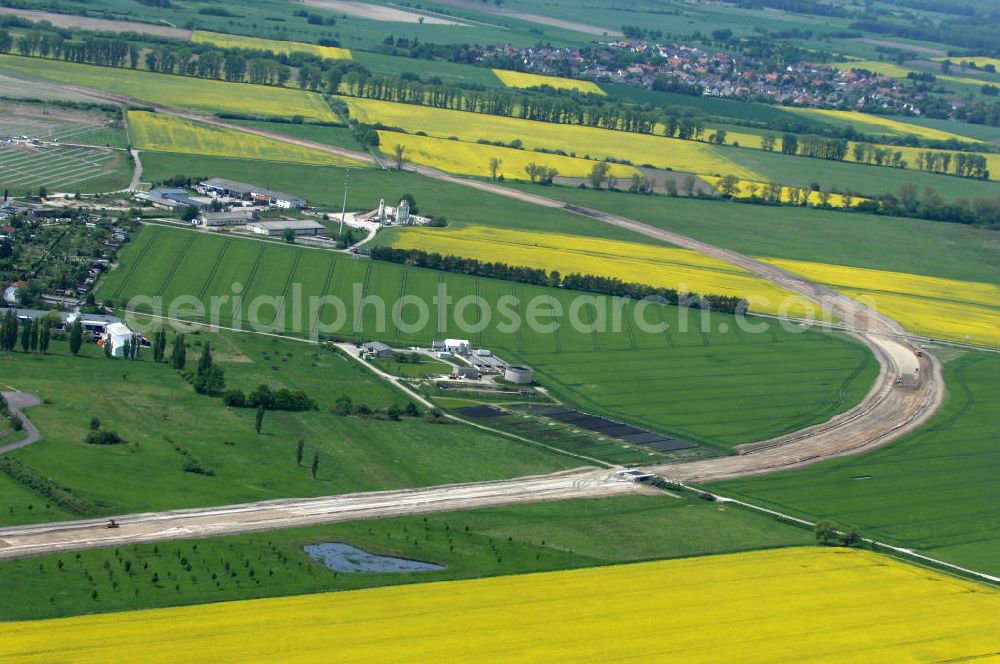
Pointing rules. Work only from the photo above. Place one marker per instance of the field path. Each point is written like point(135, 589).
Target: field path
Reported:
point(18, 401)
point(23, 541)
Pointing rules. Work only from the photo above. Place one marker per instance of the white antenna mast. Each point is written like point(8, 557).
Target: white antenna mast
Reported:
point(343, 211)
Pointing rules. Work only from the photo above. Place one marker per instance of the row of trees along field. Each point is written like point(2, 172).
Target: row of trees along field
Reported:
point(589, 283)
point(312, 72)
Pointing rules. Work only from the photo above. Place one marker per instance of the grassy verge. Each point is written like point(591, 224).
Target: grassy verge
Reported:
point(490, 542)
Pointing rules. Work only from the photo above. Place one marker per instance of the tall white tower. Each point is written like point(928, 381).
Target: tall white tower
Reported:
point(403, 212)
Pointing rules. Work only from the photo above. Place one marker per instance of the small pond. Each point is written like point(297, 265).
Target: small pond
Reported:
point(342, 557)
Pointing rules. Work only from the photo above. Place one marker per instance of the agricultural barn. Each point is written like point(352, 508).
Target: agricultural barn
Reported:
point(168, 199)
point(278, 228)
point(234, 218)
point(459, 346)
point(468, 373)
point(223, 188)
point(378, 350)
point(487, 363)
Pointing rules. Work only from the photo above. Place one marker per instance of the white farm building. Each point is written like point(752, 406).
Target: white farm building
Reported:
point(117, 334)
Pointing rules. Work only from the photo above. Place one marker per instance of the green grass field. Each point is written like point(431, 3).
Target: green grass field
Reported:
point(145, 402)
point(340, 137)
point(203, 95)
point(934, 490)
point(677, 381)
point(491, 542)
point(413, 369)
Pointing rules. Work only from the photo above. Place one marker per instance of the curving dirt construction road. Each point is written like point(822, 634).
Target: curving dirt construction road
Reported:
point(24, 541)
point(887, 412)
point(907, 392)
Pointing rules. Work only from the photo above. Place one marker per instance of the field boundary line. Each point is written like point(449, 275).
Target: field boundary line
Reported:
point(957, 570)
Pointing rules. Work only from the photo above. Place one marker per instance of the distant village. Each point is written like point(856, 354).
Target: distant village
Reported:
point(716, 74)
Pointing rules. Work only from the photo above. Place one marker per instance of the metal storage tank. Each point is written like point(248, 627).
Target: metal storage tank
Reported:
point(519, 375)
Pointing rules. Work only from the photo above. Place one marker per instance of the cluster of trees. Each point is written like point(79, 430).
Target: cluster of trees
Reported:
point(91, 50)
point(34, 334)
point(345, 406)
point(208, 377)
point(580, 282)
point(98, 436)
point(269, 399)
point(906, 202)
point(965, 165)
point(557, 107)
point(866, 153)
point(171, 56)
point(831, 534)
point(539, 174)
point(159, 345)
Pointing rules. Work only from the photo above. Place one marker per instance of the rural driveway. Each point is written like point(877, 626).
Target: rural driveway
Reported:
point(23, 541)
point(18, 401)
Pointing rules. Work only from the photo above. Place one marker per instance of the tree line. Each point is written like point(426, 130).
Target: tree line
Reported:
point(589, 283)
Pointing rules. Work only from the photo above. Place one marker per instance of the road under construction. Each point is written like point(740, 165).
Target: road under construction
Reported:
point(907, 392)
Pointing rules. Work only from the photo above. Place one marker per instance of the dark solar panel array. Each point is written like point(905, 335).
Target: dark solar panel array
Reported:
point(609, 427)
point(479, 412)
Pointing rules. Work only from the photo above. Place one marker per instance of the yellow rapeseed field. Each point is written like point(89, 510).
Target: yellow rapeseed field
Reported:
point(748, 189)
point(516, 79)
point(662, 266)
point(978, 60)
point(464, 158)
point(805, 604)
point(640, 149)
point(168, 133)
point(941, 308)
point(273, 45)
point(873, 123)
point(899, 71)
point(197, 94)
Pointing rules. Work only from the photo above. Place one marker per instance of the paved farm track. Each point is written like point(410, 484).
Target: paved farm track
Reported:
point(887, 412)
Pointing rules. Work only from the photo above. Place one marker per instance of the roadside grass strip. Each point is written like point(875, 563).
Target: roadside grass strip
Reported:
point(572, 140)
point(168, 133)
point(517, 79)
point(805, 604)
point(197, 94)
point(661, 266)
point(278, 47)
point(464, 158)
point(942, 308)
